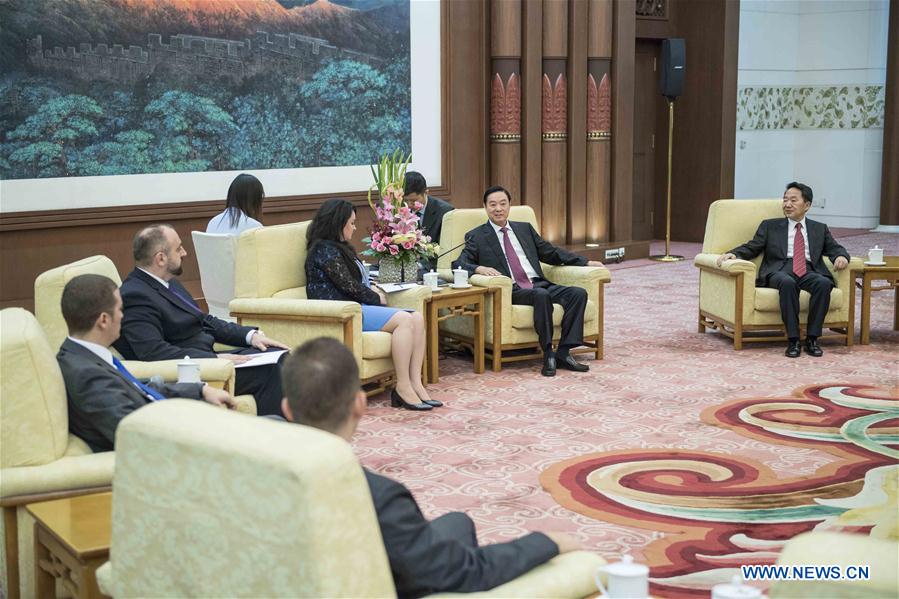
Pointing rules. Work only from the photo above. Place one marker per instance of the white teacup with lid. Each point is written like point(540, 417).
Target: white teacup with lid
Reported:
point(460, 277)
point(735, 589)
point(626, 579)
point(188, 371)
point(875, 255)
point(431, 280)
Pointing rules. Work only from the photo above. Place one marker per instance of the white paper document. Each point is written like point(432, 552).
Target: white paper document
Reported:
point(394, 287)
point(270, 357)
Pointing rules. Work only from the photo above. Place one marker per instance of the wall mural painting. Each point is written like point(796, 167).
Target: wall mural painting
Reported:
point(117, 87)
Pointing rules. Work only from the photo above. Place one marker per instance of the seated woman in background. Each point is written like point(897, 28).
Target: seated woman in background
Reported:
point(334, 272)
point(243, 208)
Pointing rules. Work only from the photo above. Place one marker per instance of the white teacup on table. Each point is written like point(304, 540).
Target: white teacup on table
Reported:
point(432, 280)
point(875, 256)
point(626, 579)
point(460, 277)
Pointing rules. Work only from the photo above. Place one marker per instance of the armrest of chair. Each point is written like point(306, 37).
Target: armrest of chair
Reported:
point(501, 282)
point(843, 278)
point(709, 262)
point(567, 575)
point(576, 276)
point(410, 299)
point(212, 370)
point(295, 321)
point(68, 473)
point(246, 404)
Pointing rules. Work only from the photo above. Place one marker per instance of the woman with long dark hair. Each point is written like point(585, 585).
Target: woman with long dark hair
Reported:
point(333, 271)
point(243, 208)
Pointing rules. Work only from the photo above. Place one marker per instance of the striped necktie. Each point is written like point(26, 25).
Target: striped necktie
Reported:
point(799, 252)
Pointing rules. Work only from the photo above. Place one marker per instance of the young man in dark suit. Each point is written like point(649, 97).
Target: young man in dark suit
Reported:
point(99, 388)
point(515, 250)
point(322, 389)
point(432, 211)
point(162, 322)
point(793, 249)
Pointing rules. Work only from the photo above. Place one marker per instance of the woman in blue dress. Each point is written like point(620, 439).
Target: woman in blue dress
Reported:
point(334, 272)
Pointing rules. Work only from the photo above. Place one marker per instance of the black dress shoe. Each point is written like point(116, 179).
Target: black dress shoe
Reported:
point(792, 349)
point(549, 364)
point(812, 348)
point(398, 402)
point(569, 363)
point(434, 403)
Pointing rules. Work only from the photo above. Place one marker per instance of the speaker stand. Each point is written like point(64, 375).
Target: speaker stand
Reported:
point(667, 257)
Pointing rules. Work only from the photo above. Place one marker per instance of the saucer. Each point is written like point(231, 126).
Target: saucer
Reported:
point(438, 290)
point(875, 263)
point(454, 286)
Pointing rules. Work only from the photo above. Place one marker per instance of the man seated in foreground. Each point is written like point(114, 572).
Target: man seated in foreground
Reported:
point(99, 389)
point(322, 390)
point(162, 322)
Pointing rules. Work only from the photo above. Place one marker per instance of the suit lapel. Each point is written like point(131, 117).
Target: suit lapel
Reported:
point(523, 233)
point(70, 346)
point(427, 219)
point(780, 235)
point(814, 239)
point(164, 292)
point(493, 243)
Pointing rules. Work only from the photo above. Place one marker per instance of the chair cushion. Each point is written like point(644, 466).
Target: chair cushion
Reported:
point(375, 344)
point(733, 222)
point(768, 300)
point(48, 292)
point(34, 421)
point(270, 259)
point(523, 316)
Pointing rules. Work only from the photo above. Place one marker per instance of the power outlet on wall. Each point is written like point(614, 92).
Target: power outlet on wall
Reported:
point(616, 254)
point(820, 203)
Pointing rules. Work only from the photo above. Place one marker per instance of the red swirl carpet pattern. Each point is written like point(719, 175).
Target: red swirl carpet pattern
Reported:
point(691, 456)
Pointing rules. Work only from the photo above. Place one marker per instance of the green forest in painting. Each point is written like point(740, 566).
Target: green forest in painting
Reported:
point(340, 110)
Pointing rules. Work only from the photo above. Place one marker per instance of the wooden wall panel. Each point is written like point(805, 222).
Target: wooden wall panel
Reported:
point(532, 107)
point(622, 120)
point(505, 95)
point(576, 193)
point(599, 15)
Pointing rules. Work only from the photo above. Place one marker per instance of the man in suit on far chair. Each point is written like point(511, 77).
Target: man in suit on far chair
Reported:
point(99, 388)
point(515, 250)
point(322, 390)
point(431, 213)
point(162, 321)
point(793, 249)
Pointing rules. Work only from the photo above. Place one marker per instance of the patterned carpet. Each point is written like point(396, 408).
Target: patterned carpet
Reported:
point(663, 391)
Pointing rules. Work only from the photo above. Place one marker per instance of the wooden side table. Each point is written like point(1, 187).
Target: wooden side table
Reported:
point(71, 540)
point(470, 301)
point(889, 272)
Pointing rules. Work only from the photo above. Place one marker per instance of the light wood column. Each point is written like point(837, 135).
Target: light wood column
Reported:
point(599, 120)
point(505, 95)
point(553, 221)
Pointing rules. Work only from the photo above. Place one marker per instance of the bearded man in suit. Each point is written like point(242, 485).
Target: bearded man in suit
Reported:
point(794, 248)
point(162, 321)
point(99, 388)
point(515, 250)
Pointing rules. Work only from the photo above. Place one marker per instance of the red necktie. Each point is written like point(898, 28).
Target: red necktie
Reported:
point(514, 263)
point(799, 252)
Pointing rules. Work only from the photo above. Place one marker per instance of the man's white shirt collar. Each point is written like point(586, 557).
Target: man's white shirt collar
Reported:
point(497, 228)
point(102, 352)
point(794, 222)
point(164, 283)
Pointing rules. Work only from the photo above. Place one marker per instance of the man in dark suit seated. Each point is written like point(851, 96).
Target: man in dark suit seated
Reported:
point(793, 249)
point(162, 322)
point(99, 388)
point(322, 388)
point(515, 250)
point(431, 213)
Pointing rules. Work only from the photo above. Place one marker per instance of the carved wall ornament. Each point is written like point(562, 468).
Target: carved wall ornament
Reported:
point(599, 108)
point(555, 108)
point(652, 9)
point(505, 109)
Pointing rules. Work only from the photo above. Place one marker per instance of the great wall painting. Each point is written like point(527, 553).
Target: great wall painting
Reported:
point(113, 87)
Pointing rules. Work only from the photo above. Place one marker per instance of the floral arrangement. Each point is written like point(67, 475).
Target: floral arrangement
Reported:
point(395, 233)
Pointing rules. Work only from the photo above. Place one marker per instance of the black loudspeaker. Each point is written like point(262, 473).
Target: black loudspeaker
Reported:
point(674, 62)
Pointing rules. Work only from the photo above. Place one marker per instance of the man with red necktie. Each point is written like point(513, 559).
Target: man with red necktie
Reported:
point(501, 247)
point(793, 249)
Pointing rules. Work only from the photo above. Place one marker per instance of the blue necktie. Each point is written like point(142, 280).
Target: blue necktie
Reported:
point(186, 300)
point(148, 391)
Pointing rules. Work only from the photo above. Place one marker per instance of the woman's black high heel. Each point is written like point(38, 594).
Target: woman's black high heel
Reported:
point(397, 402)
point(434, 403)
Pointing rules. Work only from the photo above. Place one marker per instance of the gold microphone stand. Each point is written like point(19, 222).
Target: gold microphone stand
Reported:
point(668, 257)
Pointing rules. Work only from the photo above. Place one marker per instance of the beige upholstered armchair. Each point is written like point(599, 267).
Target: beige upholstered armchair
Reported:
point(511, 327)
point(39, 458)
point(270, 289)
point(47, 295)
point(729, 301)
point(316, 536)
